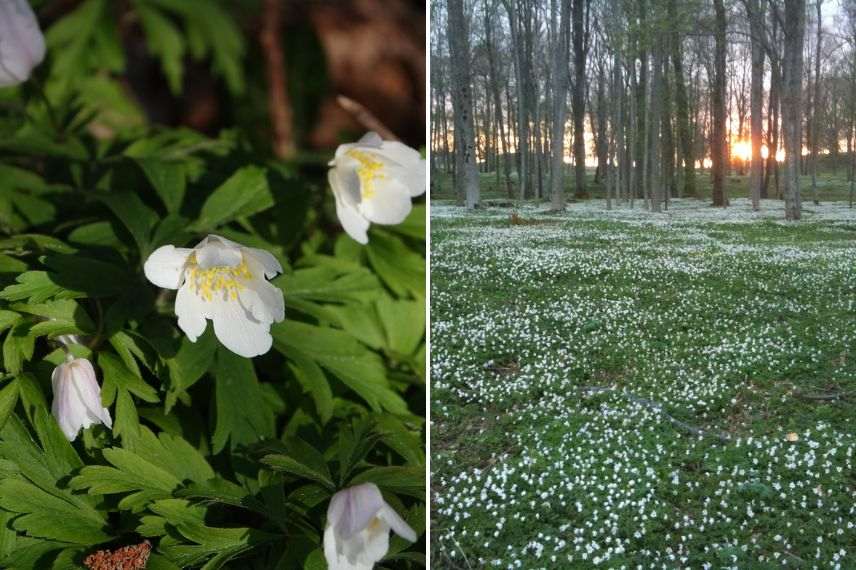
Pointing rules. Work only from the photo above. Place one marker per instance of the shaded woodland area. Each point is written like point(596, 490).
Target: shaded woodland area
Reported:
point(656, 98)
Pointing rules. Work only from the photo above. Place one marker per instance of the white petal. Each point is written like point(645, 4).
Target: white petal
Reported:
point(352, 221)
point(401, 528)
point(238, 330)
point(371, 139)
point(263, 300)
point(64, 408)
point(22, 45)
point(89, 391)
point(215, 254)
point(361, 505)
point(333, 553)
point(77, 398)
point(389, 204)
point(270, 263)
point(191, 311)
point(376, 541)
point(165, 266)
point(410, 167)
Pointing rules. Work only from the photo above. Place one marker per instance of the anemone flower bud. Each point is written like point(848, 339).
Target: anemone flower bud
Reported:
point(226, 282)
point(374, 181)
point(358, 525)
point(77, 397)
point(22, 45)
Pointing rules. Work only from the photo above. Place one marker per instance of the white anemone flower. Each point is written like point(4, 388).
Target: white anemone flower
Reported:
point(358, 525)
point(374, 181)
point(226, 282)
point(77, 397)
point(22, 45)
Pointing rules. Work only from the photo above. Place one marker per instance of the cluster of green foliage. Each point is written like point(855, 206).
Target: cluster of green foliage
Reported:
point(217, 460)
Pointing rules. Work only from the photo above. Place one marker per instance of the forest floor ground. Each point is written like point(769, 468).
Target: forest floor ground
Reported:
point(620, 389)
point(832, 184)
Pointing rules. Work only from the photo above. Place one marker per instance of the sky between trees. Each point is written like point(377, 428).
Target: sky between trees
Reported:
point(650, 95)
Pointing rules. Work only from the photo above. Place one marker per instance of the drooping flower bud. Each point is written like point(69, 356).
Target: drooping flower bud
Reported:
point(77, 397)
point(22, 45)
point(358, 525)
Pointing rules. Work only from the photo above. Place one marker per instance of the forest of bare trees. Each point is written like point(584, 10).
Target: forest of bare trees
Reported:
point(643, 100)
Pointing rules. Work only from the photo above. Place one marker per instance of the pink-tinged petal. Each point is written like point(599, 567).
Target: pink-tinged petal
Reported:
point(361, 505)
point(398, 525)
point(22, 44)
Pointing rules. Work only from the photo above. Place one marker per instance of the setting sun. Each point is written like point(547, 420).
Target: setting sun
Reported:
point(741, 150)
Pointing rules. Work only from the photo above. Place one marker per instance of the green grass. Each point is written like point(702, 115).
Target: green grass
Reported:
point(832, 184)
point(615, 389)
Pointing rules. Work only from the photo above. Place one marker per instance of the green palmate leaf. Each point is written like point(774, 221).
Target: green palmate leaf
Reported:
point(414, 225)
point(7, 319)
point(400, 267)
point(118, 377)
point(313, 381)
point(354, 364)
point(135, 215)
point(245, 193)
point(18, 347)
point(8, 400)
point(119, 384)
point(146, 468)
point(34, 143)
point(405, 480)
point(189, 364)
point(10, 265)
point(188, 541)
point(405, 442)
point(242, 414)
point(334, 284)
point(404, 323)
point(36, 286)
point(86, 276)
point(65, 316)
point(47, 509)
point(28, 243)
point(164, 41)
point(211, 29)
point(362, 322)
point(31, 554)
point(355, 442)
point(294, 467)
point(302, 460)
point(128, 348)
point(167, 178)
point(98, 234)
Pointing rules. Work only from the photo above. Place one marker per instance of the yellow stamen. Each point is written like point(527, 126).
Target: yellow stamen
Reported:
point(369, 170)
point(221, 278)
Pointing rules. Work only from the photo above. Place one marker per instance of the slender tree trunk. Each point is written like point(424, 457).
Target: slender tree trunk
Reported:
point(655, 123)
point(718, 142)
point(497, 99)
point(756, 23)
point(816, 102)
point(641, 106)
point(560, 24)
point(794, 31)
point(578, 97)
point(462, 101)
